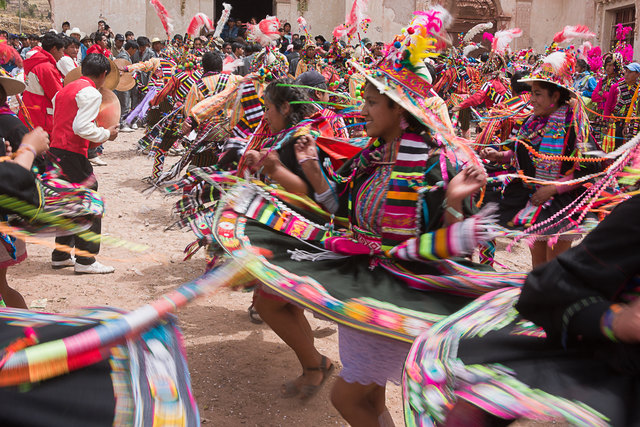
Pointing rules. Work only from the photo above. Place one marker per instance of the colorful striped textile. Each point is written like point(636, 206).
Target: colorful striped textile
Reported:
point(459, 239)
point(48, 360)
point(363, 314)
point(150, 380)
point(434, 377)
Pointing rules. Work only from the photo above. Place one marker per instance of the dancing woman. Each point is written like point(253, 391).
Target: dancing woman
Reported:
point(399, 226)
point(552, 131)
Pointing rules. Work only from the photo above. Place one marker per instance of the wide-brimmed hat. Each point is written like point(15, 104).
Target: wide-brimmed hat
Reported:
point(11, 86)
point(111, 82)
point(156, 40)
point(557, 68)
point(75, 30)
point(402, 74)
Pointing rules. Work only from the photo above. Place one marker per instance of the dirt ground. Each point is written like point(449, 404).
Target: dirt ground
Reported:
point(237, 367)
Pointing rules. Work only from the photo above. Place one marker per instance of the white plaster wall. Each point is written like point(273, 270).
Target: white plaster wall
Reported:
point(124, 15)
point(387, 16)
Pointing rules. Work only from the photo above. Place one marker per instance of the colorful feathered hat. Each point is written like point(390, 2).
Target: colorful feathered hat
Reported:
point(557, 68)
point(402, 74)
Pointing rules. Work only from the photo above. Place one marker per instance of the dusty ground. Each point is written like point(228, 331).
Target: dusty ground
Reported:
point(236, 366)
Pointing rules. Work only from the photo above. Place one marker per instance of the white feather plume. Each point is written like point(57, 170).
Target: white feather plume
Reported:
point(477, 29)
point(224, 17)
point(470, 48)
point(555, 61)
point(502, 39)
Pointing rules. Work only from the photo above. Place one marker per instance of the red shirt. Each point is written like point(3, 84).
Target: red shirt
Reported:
point(96, 48)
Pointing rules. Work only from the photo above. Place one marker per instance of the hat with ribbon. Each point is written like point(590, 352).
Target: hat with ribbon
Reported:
point(402, 74)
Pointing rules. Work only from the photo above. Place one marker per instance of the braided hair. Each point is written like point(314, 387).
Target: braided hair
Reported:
point(280, 91)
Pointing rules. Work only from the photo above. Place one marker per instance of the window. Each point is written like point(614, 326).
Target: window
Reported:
point(626, 17)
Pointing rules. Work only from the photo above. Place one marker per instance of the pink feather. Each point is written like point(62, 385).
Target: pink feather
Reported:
point(163, 14)
point(339, 32)
point(356, 15)
point(266, 31)
point(302, 24)
point(594, 58)
point(197, 22)
point(584, 50)
point(488, 37)
point(501, 39)
point(571, 32)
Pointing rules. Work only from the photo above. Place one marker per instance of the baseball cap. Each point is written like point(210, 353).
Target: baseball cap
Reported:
point(634, 66)
point(119, 37)
point(310, 78)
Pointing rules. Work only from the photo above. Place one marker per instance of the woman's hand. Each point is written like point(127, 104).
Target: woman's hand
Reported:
point(37, 139)
point(251, 160)
point(626, 323)
point(270, 161)
point(305, 148)
point(466, 183)
point(490, 154)
point(543, 194)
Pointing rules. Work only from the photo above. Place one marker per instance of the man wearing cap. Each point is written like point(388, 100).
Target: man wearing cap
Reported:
point(623, 102)
point(118, 46)
point(74, 132)
point(43, 80)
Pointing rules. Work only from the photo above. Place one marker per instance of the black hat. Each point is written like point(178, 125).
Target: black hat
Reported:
point(119, 37)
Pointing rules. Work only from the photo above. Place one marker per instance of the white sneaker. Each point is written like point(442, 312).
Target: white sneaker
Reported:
point(134, 126)
point(70, 262)
point(97, 161)
point(95, 268)
point(126, 128)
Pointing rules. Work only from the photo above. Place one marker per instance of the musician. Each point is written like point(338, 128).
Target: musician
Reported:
point(76, 107)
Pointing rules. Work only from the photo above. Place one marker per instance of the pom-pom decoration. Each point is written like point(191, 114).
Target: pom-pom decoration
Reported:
point(622, 32)
point(594, 58)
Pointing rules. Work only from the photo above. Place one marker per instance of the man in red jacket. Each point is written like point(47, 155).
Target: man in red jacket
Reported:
point(99, 45)
point(43, 80)
point(74, 132)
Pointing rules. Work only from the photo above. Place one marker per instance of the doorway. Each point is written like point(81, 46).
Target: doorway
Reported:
point(244, 10)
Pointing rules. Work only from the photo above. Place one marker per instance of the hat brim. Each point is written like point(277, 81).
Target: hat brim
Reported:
point(12, 86)
point(571, 90)
point(111, 82)
point(431, 112)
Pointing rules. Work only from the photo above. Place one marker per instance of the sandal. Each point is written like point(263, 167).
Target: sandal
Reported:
point(307, 391)
point(254, 317)
point(290, 389)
